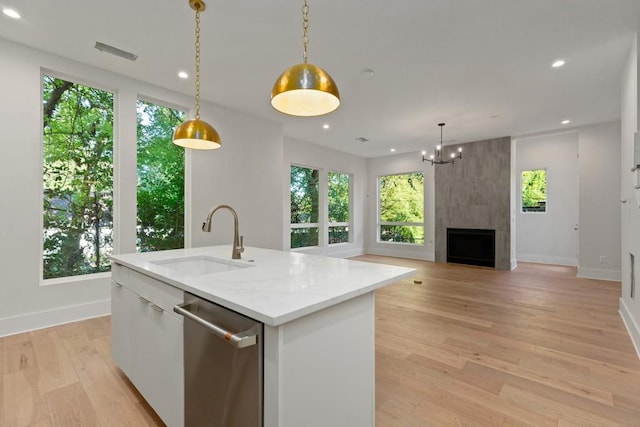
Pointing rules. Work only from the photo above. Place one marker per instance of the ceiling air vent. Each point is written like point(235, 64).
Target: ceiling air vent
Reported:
point(115, 51)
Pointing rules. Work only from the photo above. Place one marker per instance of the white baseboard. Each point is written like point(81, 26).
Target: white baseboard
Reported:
point(600, 274)
point(400, 253)
point(543, 259)
point(44, 319)
point(631, 325)
point(514, 264)
point(337, 251)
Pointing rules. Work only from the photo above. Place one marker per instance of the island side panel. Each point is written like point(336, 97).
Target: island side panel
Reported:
point(319, 370)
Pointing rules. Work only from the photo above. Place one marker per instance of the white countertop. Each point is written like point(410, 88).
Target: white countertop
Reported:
point(276, 287)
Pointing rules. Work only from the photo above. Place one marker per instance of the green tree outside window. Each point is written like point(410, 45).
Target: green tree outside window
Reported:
point(160, 191)
point(304, 189)
point(77, 178)
point(534, 190)
point(338, 188)
point(401, 216)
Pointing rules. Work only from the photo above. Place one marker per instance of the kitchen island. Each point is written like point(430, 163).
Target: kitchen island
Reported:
point(319, 327)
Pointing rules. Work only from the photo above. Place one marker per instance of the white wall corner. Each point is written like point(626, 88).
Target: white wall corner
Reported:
point(44, 319)
point(514, 264)
point(631, 325)
point(600, 274)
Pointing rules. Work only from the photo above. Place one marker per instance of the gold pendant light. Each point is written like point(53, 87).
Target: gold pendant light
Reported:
point(196, 133)
point(305, 89)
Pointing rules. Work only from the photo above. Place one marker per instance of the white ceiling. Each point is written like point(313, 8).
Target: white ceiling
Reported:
point(481, 66)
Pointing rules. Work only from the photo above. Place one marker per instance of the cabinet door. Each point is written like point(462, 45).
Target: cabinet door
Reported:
point(156, 361)
point(121, 304)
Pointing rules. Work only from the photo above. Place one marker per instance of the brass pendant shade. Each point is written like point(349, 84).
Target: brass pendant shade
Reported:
point(305, 90)
point(197, 134)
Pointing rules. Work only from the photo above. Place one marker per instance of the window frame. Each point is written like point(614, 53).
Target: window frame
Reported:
point(186, 153)
point(380, 223)
point(546, 201)
point(347, 224)
point(301, 225)
point(115, 126)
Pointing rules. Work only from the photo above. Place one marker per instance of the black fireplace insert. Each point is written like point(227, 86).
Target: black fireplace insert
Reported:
point(471, 246)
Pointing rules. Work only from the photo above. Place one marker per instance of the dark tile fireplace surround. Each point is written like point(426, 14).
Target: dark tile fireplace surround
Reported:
point(474, 196)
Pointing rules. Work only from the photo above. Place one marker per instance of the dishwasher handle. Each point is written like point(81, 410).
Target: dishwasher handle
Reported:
point(239, 340)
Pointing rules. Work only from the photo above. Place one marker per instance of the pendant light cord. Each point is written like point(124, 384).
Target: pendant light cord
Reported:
point(305, 27)
point(197, 65)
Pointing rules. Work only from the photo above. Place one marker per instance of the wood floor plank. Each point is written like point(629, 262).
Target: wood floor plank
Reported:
point(70, 407)
point(24, 400)
point(99, 381)
point(56, 369)
point(512, 414)
point(18, 353)
point(562, 369)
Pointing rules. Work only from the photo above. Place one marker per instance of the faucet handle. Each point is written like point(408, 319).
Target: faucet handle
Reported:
point(241, 248)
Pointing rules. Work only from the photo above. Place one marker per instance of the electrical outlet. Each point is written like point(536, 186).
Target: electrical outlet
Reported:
point(603, 259)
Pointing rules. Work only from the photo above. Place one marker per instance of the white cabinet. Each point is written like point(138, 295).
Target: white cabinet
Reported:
point(121, 308)
point(147, 340)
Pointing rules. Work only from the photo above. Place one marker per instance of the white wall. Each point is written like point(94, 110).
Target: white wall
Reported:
point(630, 215)
point(599, 201)
point(549, 237)
point(397, 164)
point(253, 146)
point(244, 173)
point(326, 160)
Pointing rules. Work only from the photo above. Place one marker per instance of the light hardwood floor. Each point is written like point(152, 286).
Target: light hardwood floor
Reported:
point(467, 346)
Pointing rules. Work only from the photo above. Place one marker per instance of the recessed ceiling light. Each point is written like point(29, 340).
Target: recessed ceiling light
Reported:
point(368, 72)
point(11, 13)
point(183, 75)
point(558, 63)
point(565, 122)
point(393, 150)
point(326, 126)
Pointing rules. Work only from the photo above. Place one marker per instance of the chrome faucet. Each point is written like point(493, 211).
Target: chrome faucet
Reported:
point(237, 242)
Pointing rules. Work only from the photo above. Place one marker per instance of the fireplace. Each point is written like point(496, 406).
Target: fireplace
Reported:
point(471, 246)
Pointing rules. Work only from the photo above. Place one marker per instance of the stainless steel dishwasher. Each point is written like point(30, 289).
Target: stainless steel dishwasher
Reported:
point(222, 365)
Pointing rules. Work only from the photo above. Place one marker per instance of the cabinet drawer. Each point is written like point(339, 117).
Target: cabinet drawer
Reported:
point(119, 273)
point(161, 294)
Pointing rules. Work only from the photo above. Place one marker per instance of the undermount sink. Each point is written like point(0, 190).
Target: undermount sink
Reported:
point(199, 266)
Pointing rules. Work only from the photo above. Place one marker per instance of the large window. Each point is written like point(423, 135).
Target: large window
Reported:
point(339, 190)
point(77, 178)
point(534, 190)
point(304, 187)
point(401, 208)
point(160, 192)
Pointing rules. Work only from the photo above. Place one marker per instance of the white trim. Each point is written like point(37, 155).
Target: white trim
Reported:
point(543, 259)
point(514, 264)
point(44, 319)
point(600, 274)
point(631, 325)
point(339, 250)
point(401, 253)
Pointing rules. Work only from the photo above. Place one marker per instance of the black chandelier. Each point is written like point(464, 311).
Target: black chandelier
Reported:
point(436, 158)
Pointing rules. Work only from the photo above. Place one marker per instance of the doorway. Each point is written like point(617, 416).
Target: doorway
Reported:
point(547, 230)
